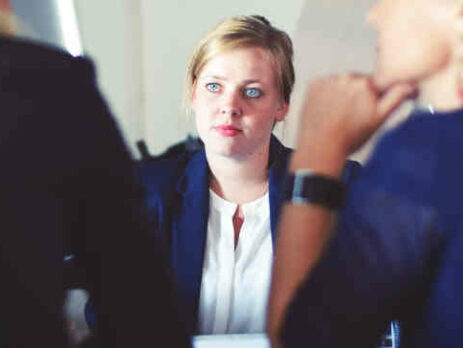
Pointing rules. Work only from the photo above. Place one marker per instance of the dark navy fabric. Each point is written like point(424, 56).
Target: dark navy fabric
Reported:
point(397, 252)
point(178, 206)
point(67, 186)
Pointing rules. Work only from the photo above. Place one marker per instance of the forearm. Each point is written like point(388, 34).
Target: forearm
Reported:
point(340, 114)
point(304, 231)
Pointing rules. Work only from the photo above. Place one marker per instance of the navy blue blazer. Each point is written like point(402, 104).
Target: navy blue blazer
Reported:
point(178, 206)
point(398, 249)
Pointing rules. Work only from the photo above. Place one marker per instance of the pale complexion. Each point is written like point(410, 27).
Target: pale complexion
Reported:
point(236, 102)
point(341, 112)
point(419, 41)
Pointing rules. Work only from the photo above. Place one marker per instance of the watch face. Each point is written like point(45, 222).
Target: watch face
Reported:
point(305, 187)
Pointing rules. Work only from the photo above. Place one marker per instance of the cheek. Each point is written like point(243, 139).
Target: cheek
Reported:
point(424, 54)
point(204, 118)
point(201, 121)
point(264, 120)
point(203, 110)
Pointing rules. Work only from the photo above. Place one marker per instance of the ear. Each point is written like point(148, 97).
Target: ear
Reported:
point(282, 110)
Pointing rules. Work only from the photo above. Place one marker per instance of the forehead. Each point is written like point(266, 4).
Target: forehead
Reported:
point(248, 63)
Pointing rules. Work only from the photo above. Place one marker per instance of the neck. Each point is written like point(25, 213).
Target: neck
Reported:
point(239, 180)
point(440, 91)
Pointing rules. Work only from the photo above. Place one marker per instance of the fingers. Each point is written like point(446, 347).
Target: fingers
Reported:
point(348, 108)
point(393, 98)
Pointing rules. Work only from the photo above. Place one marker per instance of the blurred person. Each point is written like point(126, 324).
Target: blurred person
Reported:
point(216, 208)
point(67, 185)
point(396, 248)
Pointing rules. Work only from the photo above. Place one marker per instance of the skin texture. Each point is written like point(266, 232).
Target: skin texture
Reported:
point(429, 55)
point(403, 58)
point(219, 98)
point(419, 49)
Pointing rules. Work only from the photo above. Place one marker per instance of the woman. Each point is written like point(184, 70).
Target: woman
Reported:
point(413, 184)
point(216, 209)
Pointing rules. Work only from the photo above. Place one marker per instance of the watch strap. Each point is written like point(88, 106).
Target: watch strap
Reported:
point(305, 186)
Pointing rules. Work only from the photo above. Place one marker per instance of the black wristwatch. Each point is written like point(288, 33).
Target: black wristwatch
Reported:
point(305, 186)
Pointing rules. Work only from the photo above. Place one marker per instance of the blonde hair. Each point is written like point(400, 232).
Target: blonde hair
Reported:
point(7, 25)
point(245, 31)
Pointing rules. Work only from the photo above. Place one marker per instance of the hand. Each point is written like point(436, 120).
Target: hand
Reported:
point(342, 112)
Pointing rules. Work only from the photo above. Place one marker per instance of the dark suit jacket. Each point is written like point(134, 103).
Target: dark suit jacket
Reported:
point(178, 206)
point(398, 249)
point(67, 186)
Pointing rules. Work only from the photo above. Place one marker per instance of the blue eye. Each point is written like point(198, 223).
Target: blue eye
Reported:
point(213, 87)
point(253, 92)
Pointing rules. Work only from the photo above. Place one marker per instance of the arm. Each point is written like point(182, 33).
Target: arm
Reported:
point(340, 114)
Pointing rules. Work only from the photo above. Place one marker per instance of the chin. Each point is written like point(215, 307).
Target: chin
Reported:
point(222, 148)
point(381, 82)
point(385, 78)
point(382, 76)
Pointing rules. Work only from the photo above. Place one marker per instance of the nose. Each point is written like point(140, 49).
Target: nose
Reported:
point(232, 104)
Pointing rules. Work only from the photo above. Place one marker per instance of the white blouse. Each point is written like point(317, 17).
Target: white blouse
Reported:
point(235, 283)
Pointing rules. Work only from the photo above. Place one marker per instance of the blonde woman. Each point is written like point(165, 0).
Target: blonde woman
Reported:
point(400, 255)
point(216, 209)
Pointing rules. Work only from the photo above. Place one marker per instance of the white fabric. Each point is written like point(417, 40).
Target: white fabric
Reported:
point(235, 283)
point(258, 340)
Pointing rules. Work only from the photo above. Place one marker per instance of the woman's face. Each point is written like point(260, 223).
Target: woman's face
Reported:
point(414, 39)
point(236, 102)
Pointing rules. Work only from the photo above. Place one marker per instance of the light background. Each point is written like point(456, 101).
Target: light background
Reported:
point(141, 48)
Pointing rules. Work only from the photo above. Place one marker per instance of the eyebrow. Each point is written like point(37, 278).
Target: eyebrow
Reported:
point(218, 77)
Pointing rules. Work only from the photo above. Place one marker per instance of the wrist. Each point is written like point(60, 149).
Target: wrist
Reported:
point(308, 187)
point(325, 160)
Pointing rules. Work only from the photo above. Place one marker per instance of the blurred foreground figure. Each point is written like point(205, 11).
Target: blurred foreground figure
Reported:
point(396, 250)
point(67, 187)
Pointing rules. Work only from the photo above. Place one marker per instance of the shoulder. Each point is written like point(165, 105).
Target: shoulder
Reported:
point(351, 171)
point(418, 148)
point(427, 133)
point(279, 153)
point(27, 67)
point(160, 174)
point(411, 159)
point(32, 58)
point(158, 178)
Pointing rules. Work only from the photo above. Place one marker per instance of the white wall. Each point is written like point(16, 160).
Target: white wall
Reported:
point(110, 35)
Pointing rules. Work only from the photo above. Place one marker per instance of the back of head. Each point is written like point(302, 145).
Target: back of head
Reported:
point(244, 32)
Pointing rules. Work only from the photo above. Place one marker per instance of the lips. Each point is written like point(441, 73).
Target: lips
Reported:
point(227, 130)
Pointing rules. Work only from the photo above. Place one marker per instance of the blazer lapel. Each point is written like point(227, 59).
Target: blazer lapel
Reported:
point(278, 162)
point(189, 232)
